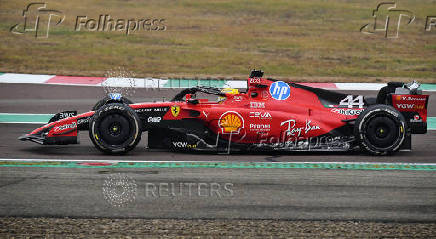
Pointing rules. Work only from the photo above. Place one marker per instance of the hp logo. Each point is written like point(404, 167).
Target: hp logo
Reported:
point(280, 90)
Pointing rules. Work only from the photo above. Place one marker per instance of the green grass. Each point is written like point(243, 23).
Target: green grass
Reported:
point(292, 39)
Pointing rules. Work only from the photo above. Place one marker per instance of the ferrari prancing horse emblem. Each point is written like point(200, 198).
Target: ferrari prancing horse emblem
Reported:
point(175, 110)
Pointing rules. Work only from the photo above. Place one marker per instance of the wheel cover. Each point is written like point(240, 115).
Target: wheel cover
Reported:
point(382, 132)
point(115, 129)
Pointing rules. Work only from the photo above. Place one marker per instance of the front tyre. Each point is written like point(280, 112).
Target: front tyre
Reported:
point(380, 130)
point(107, 100)
point(115, 129)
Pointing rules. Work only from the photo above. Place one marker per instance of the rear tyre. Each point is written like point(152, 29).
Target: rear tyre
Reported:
point(107, 100)
point(115, 129)
point(380, 130)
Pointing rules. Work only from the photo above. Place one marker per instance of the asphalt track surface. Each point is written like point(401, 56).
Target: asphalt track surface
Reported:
point(292, 194)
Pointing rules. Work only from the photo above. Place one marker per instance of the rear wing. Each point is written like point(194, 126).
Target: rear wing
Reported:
point(409, 100)
point(414, 109)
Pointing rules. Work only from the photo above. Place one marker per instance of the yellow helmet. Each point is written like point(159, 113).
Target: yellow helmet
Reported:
point(229, 91)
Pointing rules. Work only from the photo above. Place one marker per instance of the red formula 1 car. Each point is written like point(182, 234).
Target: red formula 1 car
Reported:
point(270, 116)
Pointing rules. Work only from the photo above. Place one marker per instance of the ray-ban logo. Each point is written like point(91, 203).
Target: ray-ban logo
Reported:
point(38, 20)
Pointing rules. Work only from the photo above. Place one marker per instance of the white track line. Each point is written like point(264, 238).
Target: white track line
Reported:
point(144, 161)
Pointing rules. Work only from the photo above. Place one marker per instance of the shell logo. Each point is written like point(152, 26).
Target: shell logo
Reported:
point(231, 122)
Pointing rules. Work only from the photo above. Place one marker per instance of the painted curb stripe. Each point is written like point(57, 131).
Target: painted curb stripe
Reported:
point(359, 86)
point(75, 80)
point(428, 87)
point(222, 165)
point(153, 83)
point(187, 83)
point(25, 118)
point(24, 78)
point(321, 85)
point(431, 123)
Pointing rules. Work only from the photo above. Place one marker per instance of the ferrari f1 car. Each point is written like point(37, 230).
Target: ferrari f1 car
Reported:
point(270, 115)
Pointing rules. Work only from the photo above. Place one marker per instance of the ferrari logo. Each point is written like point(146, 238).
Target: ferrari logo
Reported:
point(175, 110)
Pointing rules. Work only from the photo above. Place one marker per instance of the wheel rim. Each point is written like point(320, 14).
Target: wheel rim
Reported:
point(115, 129)
point(382, 132)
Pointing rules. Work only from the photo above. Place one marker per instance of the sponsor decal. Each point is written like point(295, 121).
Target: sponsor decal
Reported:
point(293, 130)
point(154, 119)
point(184, 145)
point(159, 109)
point(280, 90)
point(416, 119)
point(260, 115)
point(410, 106)
point(405, 106)
point(260, 127)
point(65, 126)
point(412, 98)
point(350, 112)
point(83, 120)
point(231, 122)
point(237, 98)
point(255, 81)
point(175, 110)
point(257, 105)
point(67, 114)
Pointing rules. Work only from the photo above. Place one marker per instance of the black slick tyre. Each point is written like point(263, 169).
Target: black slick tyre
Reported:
point(115, 129)
point(380, 130)
point(107, 100)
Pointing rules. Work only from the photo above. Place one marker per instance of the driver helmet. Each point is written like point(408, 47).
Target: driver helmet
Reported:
point(230, 91)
